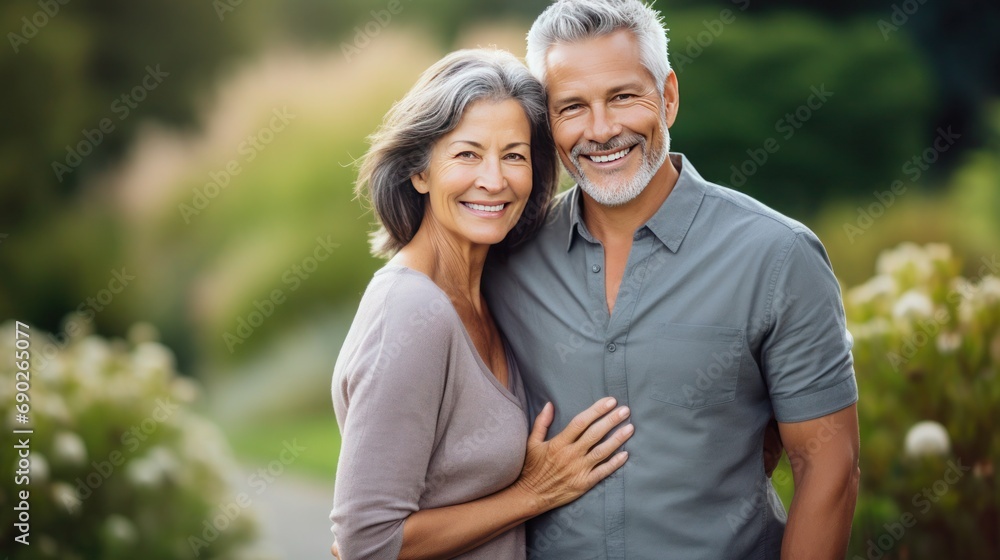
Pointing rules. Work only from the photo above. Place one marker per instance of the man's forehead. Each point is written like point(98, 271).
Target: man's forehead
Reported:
point(605, 62)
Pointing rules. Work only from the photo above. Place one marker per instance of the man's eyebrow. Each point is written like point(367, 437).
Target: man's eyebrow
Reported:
point(633, 86)
point(572, 98)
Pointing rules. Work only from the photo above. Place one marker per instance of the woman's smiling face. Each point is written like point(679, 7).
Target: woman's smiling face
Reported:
point(479, 179)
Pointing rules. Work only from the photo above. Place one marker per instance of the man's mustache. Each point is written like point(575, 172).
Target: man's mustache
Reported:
point(623, 140)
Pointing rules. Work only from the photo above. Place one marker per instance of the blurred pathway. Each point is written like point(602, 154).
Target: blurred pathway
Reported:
point(294, 514)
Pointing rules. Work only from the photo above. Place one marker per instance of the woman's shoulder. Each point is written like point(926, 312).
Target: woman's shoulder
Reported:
point(402, 298)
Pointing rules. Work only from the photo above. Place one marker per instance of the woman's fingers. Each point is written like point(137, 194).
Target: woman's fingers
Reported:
point(606, 468)
point(542, 422)
point(602, 427)
point(579, 424)
point(606, 448)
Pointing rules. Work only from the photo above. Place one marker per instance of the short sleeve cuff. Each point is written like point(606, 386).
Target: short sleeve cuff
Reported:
point(815, 405)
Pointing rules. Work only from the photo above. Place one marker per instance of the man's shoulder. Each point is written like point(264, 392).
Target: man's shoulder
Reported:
point(745, 210)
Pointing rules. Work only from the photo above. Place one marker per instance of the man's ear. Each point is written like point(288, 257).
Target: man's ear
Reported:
point(671, 98)
point(420, 182)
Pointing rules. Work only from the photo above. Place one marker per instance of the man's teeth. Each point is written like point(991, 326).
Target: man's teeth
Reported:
point(610, 157)
point(482, 208)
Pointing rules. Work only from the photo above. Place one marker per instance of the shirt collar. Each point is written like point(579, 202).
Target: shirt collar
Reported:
point(670, 223)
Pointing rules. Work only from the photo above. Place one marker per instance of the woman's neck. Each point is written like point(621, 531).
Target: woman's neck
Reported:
point(454, 264)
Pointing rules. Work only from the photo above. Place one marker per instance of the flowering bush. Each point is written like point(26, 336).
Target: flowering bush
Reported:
point(927, 350)
point(119, 465)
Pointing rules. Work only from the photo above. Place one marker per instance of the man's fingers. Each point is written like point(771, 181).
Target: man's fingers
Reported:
point(579, 424)
point(542, 422)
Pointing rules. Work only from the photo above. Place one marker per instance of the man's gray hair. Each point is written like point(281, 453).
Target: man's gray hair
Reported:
point(569, 21)
point(401, 147)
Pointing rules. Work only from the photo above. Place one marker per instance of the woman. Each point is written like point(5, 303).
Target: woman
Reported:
point(429, 402)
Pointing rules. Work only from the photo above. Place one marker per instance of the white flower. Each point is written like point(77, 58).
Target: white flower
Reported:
point(39, 467)
point(989, 290)
point(913, 305)
point(64, 494)
point(152, 360)
point(938, 251)
point(119, 530)
point(184, 389)
point(927, 438)
point(144, 472)
point(68, 448)
point(948, 342)
point(875, 288)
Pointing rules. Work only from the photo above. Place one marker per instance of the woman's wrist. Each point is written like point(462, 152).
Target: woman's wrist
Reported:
point(527, 500)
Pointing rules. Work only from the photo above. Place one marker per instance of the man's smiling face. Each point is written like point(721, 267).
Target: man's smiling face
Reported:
point(609, 120)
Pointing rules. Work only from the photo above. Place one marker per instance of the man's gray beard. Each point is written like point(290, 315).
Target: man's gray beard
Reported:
point(627, 191)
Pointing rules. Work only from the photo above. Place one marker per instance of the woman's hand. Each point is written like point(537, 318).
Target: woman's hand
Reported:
point(563, 468)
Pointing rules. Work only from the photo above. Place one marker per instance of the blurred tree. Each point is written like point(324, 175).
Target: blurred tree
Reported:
point(81, 77)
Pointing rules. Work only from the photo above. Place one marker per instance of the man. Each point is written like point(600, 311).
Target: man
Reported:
point(703, 310)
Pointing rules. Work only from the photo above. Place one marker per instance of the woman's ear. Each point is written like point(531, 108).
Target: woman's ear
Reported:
point(420, 182)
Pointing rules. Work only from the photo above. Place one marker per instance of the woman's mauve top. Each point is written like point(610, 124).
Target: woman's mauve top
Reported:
point(423, 422)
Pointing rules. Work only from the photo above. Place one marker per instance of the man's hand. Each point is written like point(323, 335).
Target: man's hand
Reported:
point(824, 457)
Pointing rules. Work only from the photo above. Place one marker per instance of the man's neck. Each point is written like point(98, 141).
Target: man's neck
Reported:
point(608, 223)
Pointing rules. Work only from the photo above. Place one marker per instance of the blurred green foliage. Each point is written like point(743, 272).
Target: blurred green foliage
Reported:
point(927, 348)
point(120, 467)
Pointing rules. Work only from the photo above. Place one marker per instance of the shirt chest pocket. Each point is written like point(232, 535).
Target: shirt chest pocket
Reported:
point(700, 365)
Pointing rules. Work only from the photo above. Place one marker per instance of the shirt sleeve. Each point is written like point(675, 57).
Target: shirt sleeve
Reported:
point(394, 387)
point(806, 355)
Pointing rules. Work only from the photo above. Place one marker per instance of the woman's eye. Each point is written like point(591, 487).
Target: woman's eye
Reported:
point(466, 155)
point(515, 156)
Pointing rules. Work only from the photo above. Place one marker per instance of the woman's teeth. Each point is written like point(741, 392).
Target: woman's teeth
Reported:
point(482, 208)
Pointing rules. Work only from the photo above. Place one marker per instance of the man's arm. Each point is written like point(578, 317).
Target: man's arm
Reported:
point(824, 456)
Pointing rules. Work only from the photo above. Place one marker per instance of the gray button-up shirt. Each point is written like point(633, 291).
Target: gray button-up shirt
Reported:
point(728, 314)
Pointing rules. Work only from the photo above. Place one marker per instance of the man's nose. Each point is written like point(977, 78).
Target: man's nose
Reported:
point(603, 127)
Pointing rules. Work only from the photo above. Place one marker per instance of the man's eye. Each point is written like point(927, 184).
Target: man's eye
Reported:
point(466, 155)
point(623, 96)
point(571, 108)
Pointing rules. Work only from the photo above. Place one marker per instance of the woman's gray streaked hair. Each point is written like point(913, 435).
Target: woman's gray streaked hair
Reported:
point(569, 21)
point(402, 145)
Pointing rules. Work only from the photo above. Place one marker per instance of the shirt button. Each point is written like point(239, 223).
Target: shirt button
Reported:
point(596, 268)
point(612, 347)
